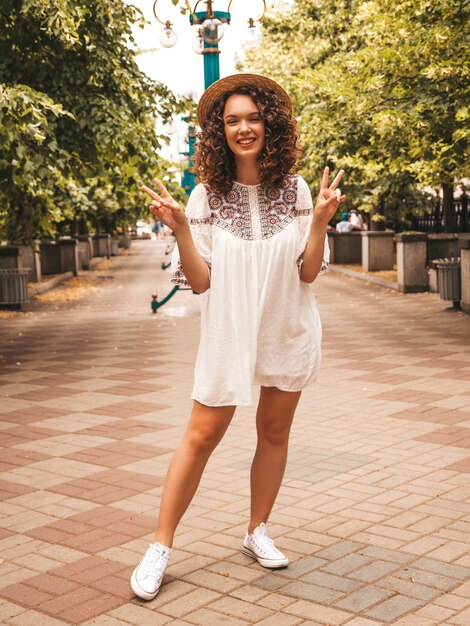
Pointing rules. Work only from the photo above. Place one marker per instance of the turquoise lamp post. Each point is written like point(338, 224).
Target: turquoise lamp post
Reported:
point(211, 31)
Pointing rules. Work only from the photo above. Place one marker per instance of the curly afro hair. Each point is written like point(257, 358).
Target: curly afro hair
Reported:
point(214, 161)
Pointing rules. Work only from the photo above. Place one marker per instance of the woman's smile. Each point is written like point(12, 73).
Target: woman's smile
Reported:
point(246, 142)
point(244, 127)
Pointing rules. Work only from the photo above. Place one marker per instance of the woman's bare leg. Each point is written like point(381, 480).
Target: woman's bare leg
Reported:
point(206, 428)
point(273, 423)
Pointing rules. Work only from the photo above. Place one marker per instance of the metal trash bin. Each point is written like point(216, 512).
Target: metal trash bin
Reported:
point(449, 280)
point(14, 286)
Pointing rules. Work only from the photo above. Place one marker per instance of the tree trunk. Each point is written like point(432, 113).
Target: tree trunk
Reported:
point(448, 209)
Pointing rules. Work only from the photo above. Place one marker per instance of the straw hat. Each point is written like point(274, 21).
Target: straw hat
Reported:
point(234, 81)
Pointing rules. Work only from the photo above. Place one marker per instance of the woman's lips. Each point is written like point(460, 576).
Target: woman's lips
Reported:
point(249, 141)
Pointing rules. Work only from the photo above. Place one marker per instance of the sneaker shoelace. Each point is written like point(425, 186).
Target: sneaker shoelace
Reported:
point(154, 564)
point(265, 542)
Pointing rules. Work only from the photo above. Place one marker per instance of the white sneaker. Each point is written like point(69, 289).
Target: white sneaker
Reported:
point(148, 575)
point(260, 547)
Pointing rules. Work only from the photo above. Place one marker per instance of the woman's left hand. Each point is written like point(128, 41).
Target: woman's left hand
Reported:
point(329, 197)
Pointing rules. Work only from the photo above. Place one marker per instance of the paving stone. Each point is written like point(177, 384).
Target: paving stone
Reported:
point(361, 600)
point(35, 618)
point(222, 584)
point(331, 581)
point(363, 621)
point(447, 569)
point(374, 571)
point(431, 579)
point(318, 613)
point(252, 594)
point(207, 616)
point(139, 615)
point(189, 602)
point(338, 550)
point(435, 612)
point(346, 564)
point(281, 620)
point(462, 619)
point(415, 620)
point(453, 601)
point(21, 593)
point(272, 582)
point(9, 609)
point(276, 601)
point(76, 598)
point(393, 608)
point(387, 555)
point(314, 593)
point(240, 609)
point(239, 572)
point(303, 566)
point(104, 620)
point(91, 608)
point(409, 587)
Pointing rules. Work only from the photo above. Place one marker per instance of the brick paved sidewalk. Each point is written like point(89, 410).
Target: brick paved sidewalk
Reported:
point(374, 512)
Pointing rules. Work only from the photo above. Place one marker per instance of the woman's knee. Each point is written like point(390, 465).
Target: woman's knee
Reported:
point(207, 426)
point(275, 431)
point(203, 439)
point(275, 414)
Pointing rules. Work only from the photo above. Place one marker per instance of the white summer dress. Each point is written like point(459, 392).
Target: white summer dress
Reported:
point(259, 322)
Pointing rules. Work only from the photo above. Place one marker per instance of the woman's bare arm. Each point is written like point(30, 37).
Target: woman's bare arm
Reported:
point(194, 267)
point(326, 205)
point(166, 209)
point(313, 253)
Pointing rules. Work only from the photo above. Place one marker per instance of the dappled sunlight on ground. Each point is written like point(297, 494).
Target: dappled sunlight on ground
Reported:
point(385, 274)
point(71, 290)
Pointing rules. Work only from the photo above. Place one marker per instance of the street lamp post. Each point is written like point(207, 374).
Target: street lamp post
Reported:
point(210, 32)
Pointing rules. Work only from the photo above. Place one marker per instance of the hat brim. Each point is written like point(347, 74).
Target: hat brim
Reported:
point(229, 83)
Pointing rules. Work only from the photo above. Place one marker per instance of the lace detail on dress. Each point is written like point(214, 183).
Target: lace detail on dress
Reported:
point(232, 212)
point(178, 278)
point(257, 229)
point(323, 266)
point(277, 208)
point(196, 221)
point(250, 212)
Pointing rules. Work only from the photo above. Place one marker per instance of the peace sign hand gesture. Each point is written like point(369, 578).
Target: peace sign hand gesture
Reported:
point(329, 198)
point(165, 208)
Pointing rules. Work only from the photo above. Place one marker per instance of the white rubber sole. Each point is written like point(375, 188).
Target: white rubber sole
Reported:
point(139, 592)
point(269, 563)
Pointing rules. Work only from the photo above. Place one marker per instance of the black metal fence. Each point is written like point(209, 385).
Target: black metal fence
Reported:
point(433, 222)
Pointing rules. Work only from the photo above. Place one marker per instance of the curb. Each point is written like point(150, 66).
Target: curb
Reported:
point(96, 261)
point(47, 285)
point(365, 277)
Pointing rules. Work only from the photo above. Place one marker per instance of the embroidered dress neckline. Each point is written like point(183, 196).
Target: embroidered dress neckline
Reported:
point(251, 212)
point(243, 184)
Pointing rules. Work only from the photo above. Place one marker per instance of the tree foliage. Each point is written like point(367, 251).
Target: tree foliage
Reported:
point(380, 87)
point(77, 117)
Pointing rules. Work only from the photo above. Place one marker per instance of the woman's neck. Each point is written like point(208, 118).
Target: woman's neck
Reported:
point(247, 172)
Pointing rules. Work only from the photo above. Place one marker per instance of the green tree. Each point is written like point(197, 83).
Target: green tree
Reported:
point(77, 116)
point(380, 87)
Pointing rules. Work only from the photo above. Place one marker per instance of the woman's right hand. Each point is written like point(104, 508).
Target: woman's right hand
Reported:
point(165, 208)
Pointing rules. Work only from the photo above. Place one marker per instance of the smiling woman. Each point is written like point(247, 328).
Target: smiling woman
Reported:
point(249, 242)
point(240, 113)
point(244, 129)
